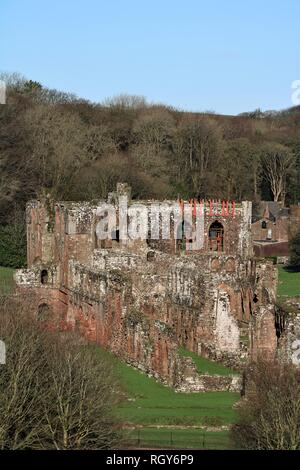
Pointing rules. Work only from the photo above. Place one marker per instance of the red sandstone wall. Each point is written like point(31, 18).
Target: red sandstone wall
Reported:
point(139, 310)
point(279, 230)
point(272, 249)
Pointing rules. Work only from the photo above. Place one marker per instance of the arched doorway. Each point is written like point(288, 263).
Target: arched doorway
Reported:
point(43, 313)
point(216, 237)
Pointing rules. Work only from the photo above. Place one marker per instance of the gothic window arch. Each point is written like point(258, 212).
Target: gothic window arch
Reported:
point(44, 276)
point(216, 237)
point(264, 224)
point(43, 313)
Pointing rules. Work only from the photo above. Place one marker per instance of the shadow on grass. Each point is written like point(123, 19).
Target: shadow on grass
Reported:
point(291, 269)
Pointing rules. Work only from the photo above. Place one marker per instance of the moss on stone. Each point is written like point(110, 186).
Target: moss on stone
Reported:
point(134, 317)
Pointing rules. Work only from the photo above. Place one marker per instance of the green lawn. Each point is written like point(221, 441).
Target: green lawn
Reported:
point(205, 366)
point(289, 283)
point(6, 280)
point(178, 438)
point(150, 403)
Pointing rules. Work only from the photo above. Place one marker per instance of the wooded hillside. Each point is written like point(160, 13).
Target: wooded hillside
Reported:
point(54, 142)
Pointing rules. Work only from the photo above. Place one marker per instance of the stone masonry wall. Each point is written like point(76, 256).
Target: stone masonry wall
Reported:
point(142, 300)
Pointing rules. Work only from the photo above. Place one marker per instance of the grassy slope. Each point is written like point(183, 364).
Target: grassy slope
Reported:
point(289, 283)
point(205, 366)
point(6, 280)
point(152, 404)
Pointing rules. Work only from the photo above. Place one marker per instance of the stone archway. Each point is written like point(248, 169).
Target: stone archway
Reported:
point(216, 237)
point(44, 312)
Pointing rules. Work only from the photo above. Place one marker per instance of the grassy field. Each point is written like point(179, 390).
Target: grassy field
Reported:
point(150, 404)
point(6, 280)
point(289, 283)
point(155, 404)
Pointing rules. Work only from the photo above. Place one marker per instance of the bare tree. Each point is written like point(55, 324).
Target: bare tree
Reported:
point(198, 148)
point(55, 392)
point(152, 131)
point(21, 379)
point(126, 101)
point(277, 162)
point(269, 417)
point(83, 392)
point(61, 146)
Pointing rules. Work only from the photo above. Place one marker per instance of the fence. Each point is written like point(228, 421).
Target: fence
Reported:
point(177, 439)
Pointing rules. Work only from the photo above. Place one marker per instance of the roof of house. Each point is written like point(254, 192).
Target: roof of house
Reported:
point(270, 210)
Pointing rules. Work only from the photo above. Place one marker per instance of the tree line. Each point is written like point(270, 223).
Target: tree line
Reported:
point(74, 149)
point(54, 143)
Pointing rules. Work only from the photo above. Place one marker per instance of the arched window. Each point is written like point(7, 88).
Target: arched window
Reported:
point(44, 276)
point(43, 313)
point(215, 264)
point(216, 237)
point(230, 265)
point(150, 255)
point(264, 224)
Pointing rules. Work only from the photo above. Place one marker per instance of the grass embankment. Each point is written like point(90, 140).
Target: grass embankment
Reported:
point(288, 282)
point(6, 280)
point(151, 404)
point(205, 366)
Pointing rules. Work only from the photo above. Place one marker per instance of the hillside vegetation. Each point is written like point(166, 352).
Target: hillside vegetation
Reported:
point(56, 143)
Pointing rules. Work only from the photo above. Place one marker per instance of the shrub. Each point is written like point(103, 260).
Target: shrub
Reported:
point(269, 416)
point(295, 251)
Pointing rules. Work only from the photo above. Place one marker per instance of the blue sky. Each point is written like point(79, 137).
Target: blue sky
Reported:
point(227, 56)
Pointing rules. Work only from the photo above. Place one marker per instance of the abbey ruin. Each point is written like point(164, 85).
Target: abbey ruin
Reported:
point(143, 299)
